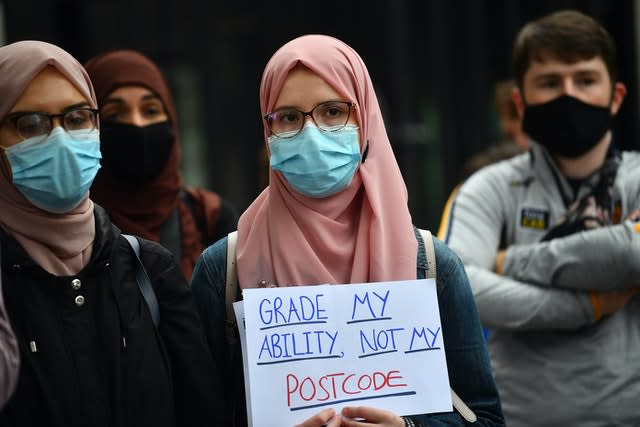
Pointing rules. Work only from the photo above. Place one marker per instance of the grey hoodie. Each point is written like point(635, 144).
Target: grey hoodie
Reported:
point(554, 364)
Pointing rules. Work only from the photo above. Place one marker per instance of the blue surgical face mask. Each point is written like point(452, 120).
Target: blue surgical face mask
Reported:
point(55, 174)
point(316, 163)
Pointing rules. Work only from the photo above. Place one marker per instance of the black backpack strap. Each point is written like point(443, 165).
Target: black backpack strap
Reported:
point(144, 282)
point(231, 285)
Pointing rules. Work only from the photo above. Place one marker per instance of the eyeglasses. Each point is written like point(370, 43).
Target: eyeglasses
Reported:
point(33, 124)
point(329, 116)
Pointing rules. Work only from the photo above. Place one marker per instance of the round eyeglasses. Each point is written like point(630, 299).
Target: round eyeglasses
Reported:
point(34, 124)
point(329, 116)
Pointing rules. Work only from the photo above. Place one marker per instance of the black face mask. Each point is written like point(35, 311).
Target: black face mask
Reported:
point(566, 126)
point(135, 154)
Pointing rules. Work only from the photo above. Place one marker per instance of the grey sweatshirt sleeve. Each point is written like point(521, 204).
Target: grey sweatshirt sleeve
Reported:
point(473, 231)
point(601, 259)
point(510, 304)
point(9, 355)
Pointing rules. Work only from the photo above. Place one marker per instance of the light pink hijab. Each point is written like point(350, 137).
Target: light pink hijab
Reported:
point(362, 234)
point(59, 243)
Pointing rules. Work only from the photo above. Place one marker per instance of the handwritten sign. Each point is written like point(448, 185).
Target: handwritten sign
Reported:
point(312, 347)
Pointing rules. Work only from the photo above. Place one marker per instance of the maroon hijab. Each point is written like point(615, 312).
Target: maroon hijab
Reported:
point(143, 210)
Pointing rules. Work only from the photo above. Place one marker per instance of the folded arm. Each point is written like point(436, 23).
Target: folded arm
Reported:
point(601, 259)
point(474, 229)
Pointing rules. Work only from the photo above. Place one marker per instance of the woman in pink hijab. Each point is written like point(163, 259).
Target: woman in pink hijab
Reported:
point(90, 352)
point(335, 211)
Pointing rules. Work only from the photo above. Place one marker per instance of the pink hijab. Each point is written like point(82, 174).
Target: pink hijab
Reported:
point(59, 243)
point(362, 234)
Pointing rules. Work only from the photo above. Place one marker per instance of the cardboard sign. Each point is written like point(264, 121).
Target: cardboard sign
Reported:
point(307, 348)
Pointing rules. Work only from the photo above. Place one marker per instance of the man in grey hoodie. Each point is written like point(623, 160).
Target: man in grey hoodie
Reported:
point(549, 242)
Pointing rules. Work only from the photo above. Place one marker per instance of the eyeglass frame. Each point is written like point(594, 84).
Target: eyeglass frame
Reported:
point(14, 117)
point(309, 113)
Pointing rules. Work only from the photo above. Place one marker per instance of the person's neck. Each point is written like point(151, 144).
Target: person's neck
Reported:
point(588, 163)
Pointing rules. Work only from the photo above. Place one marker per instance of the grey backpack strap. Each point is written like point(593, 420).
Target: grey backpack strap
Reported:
point(431, 273)
point(144, 283)
point(430, 252)
point(462, 408)
point(232, 278)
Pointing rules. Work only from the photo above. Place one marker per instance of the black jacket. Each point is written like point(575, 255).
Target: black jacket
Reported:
point(91, 355)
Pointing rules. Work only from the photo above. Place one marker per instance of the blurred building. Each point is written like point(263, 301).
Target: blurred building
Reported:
point(433, 62)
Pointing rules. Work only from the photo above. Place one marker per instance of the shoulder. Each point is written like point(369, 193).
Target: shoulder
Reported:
point(211, 269)
point(446, 258)
point(200, 198)
point(157, 260)
point(148, 249)
point(513, 167)
point(630, 163)
point(499, 175)
point(451, 275)
point(447, 261)
point(216, 253)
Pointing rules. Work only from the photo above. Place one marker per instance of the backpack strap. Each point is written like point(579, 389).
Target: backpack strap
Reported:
point(231, 281)
point(144, 282)
point(206, 231)
point(431, 273)
point(462, 408)
point(430, 252)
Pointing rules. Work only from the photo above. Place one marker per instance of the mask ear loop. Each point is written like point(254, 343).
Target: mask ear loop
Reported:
point(365, 152)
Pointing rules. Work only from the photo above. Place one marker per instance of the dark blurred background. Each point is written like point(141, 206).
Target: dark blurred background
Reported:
point(433, 63)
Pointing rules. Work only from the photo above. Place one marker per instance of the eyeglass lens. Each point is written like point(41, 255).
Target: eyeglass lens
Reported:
point(38, 124)
point(328, 116)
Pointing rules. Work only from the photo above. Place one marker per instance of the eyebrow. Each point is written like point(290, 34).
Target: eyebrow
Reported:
point(291, 107)
point(120, 101)
point(74, 106)
point(64, 110)
point(547, 75)
point(559, 74)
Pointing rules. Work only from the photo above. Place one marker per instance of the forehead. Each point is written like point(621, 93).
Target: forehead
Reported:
point(49, 91)
point(550, 65)
point(132, 92)
point(304, 89)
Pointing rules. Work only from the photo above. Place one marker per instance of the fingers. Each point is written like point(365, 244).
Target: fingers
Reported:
point(326, 417)
point(634, 216)
point(353, 415)
point(336, 421)
point(500, 261)
point(615, 300)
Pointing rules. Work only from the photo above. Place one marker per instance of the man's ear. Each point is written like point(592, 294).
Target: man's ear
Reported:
point(619, 92)
point(518, 101)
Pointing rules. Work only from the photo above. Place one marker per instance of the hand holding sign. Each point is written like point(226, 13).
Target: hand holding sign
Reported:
point(325, 418)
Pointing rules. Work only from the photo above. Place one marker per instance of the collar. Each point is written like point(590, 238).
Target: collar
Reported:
point(15, 257)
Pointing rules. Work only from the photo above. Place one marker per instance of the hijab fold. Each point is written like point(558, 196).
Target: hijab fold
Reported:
point(60, 243)
point(362, 234)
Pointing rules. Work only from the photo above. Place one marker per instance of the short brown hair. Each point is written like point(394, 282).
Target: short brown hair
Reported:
point(567, 35)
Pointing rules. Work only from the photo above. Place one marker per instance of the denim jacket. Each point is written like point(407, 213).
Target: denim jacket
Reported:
point(467, 358)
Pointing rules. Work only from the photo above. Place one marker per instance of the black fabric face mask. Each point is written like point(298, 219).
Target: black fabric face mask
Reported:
point(135, 154)
point(566, 126)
